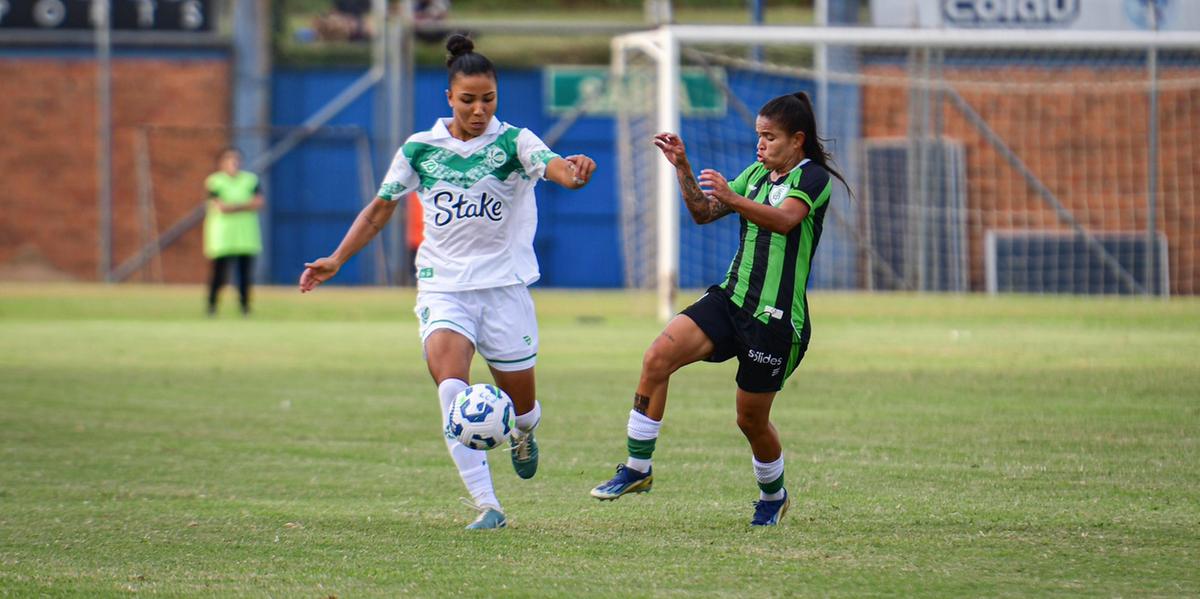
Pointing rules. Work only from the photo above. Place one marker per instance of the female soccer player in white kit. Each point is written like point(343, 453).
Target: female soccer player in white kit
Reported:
point(475, 176)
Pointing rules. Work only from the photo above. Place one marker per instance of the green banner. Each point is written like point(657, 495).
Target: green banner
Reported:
point(567, 87)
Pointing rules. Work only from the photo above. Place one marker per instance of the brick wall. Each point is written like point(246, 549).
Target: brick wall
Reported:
point(47, 113)
point(1087, 143)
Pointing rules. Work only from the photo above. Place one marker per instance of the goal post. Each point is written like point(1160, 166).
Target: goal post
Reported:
point(663, 48)
point(946, 136)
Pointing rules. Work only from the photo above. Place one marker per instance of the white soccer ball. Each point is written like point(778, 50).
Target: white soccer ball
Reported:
point(482, 417)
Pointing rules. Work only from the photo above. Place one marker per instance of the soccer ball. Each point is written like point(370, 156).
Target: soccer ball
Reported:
point(482, 417)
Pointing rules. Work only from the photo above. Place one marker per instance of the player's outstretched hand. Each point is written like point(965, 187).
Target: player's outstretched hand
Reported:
point(714, 184)
point(316, 272)
point(582, 168)
point(672, 147)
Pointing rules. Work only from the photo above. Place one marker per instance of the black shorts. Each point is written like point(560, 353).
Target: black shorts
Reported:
point(766, 355)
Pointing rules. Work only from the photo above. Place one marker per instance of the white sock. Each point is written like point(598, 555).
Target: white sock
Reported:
point(766, 473)
point(529, 420)
point(641, 428)
point(471, 463)
point(446, 392)
point(478, 481)
point(638, 464)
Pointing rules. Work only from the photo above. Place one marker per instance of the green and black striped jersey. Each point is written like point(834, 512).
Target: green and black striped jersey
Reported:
point(769, 273)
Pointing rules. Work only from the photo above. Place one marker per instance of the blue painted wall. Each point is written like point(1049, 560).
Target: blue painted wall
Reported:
point(315, 190)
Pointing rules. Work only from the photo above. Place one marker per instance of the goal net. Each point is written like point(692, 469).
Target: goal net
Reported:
point(1000, 161)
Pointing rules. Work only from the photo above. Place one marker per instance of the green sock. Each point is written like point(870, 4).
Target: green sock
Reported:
point(639, 454)
point(641, 450)
point(772, 488)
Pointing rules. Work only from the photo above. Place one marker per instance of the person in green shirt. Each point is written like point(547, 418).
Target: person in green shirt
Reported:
point(759, 313)
point(231, 228)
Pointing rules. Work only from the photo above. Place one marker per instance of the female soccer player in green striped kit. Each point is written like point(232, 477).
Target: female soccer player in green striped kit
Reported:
point(759, 313)
point(475, 176)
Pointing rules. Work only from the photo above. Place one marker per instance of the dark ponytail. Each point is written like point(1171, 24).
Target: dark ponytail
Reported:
point(465, 60)
point(794, 112)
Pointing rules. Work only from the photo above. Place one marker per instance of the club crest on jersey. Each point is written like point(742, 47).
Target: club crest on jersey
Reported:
point(777, 194)
point(450, 207)
point(495, 157)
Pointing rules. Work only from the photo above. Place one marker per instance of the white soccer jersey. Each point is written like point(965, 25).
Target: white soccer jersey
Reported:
point(478, 204)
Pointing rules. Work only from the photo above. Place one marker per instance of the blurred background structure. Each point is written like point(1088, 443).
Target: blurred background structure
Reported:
point(1041, 146)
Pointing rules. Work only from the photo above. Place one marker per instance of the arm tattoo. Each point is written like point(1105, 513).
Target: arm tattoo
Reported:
point(641, 403)
point(703, 208)
point(717, 209)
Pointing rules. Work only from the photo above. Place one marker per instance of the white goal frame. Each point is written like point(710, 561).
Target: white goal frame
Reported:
point(662, 46)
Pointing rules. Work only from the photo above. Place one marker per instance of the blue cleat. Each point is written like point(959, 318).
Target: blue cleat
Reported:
point(769, 513)
point(489, 518)
point(525, 455)
point(626, 480)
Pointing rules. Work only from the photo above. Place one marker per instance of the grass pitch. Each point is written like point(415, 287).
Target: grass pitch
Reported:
point(936, 445)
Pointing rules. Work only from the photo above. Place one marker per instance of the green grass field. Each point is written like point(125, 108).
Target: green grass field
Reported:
point(936, 445)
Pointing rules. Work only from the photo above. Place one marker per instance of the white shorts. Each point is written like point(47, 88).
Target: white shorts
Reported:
point(500, 322)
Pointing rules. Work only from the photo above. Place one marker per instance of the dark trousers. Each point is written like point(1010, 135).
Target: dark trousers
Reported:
point(220, 273)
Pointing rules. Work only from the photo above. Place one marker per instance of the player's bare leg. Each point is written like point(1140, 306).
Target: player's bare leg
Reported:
point(448, 355)
point(754, 418)
point(521, 386)
point(680, 344)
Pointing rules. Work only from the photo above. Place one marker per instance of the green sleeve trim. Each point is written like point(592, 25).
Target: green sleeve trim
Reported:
point(545, 156)
point(390, 191)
